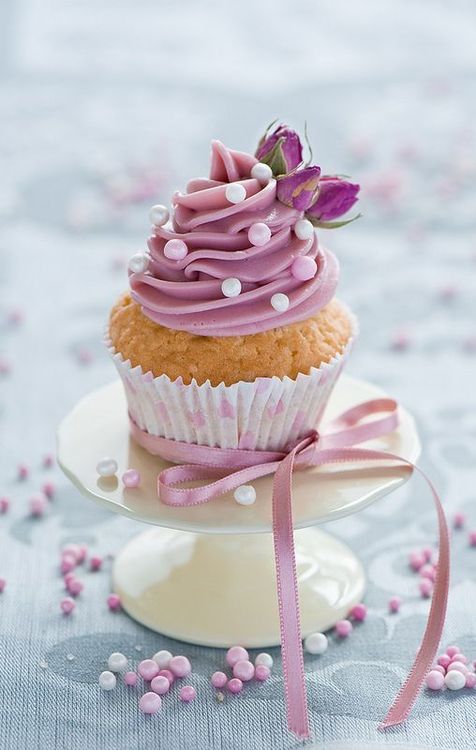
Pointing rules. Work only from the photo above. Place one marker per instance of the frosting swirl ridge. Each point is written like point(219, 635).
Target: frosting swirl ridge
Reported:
point(187, 294)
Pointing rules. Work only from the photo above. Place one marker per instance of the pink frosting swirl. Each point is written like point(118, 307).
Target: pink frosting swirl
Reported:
point(187, 295)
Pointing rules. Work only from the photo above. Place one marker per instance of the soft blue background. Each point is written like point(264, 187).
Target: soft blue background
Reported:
point(97, 96)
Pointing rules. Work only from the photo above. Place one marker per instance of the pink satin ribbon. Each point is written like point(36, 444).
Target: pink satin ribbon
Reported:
point(230, 468)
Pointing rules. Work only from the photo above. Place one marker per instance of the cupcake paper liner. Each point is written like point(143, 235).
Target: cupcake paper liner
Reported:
point(266, 414)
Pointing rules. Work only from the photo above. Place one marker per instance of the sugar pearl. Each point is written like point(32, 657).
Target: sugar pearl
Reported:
point(150, 703)
point(48, 461)
point(117, 662)
point(139, 263)
point(459, 657)
point(435, 680)
point(75, 586)
point(219, 679)
point(359, 612)
point(235, 685)
point(231, 287)
point(245, 495)
point(316, 643)
point(130, 678)
point(68, 563)
point(4, 504)
point(148, 669)
point(452, 651)
point(444, 661)
point(114, 602)
point(48, 490)
point(472, 538)
point(262, 172)
point(67, 605)
point(162, 658)
point(159, 215)
point(262, 672)
point(107, 680)
point(23, 471)
point(303, 229)
point(265, 659)
point(259, 234)
point(106, 467)
point(438, 668)
point(175, 250)
point(470, 680)
point(304, 268)
point(180, 666)
point(187, 693)
point(394, 604)
point(168, 674)
point(280, 302)
point(244, 670)
point(236, 653)
point(426, 588)
point(416, 561)
point(131, 478)
point(95, 563)
point(235, 192)
point(38, 504)
point(160, 685)
point(343, 628)
point(455, 680)
point(3, 583)
point(459, 666)
point(459, 520)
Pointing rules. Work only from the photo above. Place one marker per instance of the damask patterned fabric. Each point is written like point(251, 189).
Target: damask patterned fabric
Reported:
point(106, 108)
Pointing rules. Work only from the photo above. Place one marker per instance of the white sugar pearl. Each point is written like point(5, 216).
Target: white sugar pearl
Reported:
point(159, 215)
point(231, 287)
point(265, 659)
point(162, 658)
point(117, 662)
point(107, 681)
point(106, 467)
point(316, 643)
point(280, 302)
point(455, 680)
point(138, 263)
point(235, 193)
point(245, 495)
point(262, 172)
point(303, 229)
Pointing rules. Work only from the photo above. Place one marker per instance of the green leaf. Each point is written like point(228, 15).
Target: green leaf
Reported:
point(275, 158)
point(331, 224)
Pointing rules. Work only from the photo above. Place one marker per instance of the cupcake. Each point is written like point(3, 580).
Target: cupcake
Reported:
point(230, 334)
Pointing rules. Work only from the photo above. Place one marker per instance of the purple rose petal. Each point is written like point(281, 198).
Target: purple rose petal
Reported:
point(299, 189)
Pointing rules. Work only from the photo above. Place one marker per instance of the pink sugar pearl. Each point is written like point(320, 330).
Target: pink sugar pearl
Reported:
point(160, 685)
point(82, 553)
point(68, 564)
point(23, 471)
point(235, 685)
point(444, 660)
point(304, 268)
point(219, 679)
point(130, 678)
point(259, 234)
point(114, 602)
point(167, 674)
point(472, 538)
point(459, 657)
point(48, 461)
point(67, 605)
point(438, 668)
point(244, 670)
point(428, 571)
point(427, 553)
point(426, 588)
point(394, 604)
point(72, 549)
point(75, 586)
point(3, 583)
point(148, 669)
point(4, 504)
point(459, 519)
point(37, 505)
point(452, 651)
point(262, 672)
point(457, 666)
point(416, 561)
point(471, 680)
point(187, 693)
point(180, 666)
point(236, 653)
point(131, 478)
point(150, 703)
point(49, 490)
point(359, 612)
point(95, 563)
point(343, 628)
point(435, 680)
point(175, 250)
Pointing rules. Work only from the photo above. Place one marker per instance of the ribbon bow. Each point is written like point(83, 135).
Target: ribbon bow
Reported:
point(230, 468)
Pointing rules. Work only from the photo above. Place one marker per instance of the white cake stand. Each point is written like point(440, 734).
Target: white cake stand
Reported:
point(206, 574)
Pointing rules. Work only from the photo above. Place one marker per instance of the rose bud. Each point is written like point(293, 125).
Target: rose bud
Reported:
point(300, 189)
point(336, 197)
point(282, 150)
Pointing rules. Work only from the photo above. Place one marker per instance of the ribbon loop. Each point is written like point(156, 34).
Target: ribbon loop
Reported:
point(230, 468)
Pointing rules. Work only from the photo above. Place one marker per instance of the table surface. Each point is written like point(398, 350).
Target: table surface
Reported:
point(106, 108)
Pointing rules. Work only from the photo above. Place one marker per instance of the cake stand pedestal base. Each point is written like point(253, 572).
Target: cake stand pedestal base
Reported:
point(220, 590)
